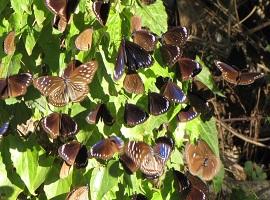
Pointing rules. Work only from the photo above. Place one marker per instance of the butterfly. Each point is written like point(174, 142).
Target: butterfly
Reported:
point(101, 111)
point(74, 153)
point(101, 9)
point(106, 148)
point(190, 187)
point(188, 68)
point(59, 125)
point(15, 85)
point(234, 76)
point(134, 115)
point(133, 83)
point(83, 41)
point(157, 103)
point(62, 10)
point(201, 160)
point(9, 43)
point(146, 39)
point(173, 92)
point(131, 55)
point(79, 193)
point(150, 161)
point(170, 53)
point(175, 36)
point(72, 86)
point(187, 114)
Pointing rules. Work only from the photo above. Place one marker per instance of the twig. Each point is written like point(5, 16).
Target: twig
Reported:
point(235, 133)
point(259, 27)
point(248, 16)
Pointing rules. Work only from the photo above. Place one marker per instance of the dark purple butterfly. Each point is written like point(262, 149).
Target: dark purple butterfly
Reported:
point(101, 9)
point(188, 68)
point(145, 39)
point(74, 153)
point(170, 54)
point(4, 128)
point(187, 114)
point(175, 36)
point(72, 86)
point(173, 92)
point(106, 148)
point(133, 83)
point(101, 111)
point(15, 85)
point(234, 76)
point(134, 115)
point(191, 187)
point(133, 56)
point(157, 103)
point(138, 197)
point(59, 125)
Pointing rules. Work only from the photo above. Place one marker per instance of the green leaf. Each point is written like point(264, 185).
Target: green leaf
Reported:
point(103, 179)
point(30, 162)
point(22, 6)
point(30, 41)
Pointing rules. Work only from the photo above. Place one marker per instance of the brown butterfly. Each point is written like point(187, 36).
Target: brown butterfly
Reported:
point(133, 83)
point(15, 85)
point(235, 76)
point(201, 160)
point(83, 41)
point(72, 86)
point(9, 43)
point(80, 193)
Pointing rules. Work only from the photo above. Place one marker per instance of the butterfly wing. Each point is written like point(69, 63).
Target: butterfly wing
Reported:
point(101, 9)
point(80, 193)
point(4, 128)
point(69, 151)
point(173, 92)
point(175, 36)
point(157, 104)
point(170, 54)
point(249, 77)
point(188, 68)
point(9, 43)
point(228, 73)
point(17, 84)
point(145, 39)
point(83, 41)
point(51, 125)
point(119, 67)
point(57, 7)
point(137, 57)
point(134, 115)
point(133, 83)
point(3, 88)
point(187, 114)
point(68, 127)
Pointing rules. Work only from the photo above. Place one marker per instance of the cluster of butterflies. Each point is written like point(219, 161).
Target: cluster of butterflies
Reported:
point(72, 86)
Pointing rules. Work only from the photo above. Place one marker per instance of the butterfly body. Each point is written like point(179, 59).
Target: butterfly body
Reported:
point(72, 86)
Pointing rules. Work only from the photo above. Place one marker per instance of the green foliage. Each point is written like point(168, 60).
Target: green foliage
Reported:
point(25, 164)
point(254, 172)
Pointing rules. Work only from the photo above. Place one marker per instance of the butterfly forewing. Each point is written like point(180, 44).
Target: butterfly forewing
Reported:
point(247, 78)
point(145, 39)
point(119, 67)
point(58, 7)
point(188, 68)
point(137, 57)
point(69, 151)
point(173, 92)
point(175, 36)
point(170, 54)
point(81, 159)
point(157, 103)
point(9, 43)
point(101, 9)
point(134, 115)
point(68, 126)
point(187, 114)
point(106, 148)
point(4, 128)
point(228, 73)
point(51, 125)
point(133, 83)
point(15, 85)
point(83, 41)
